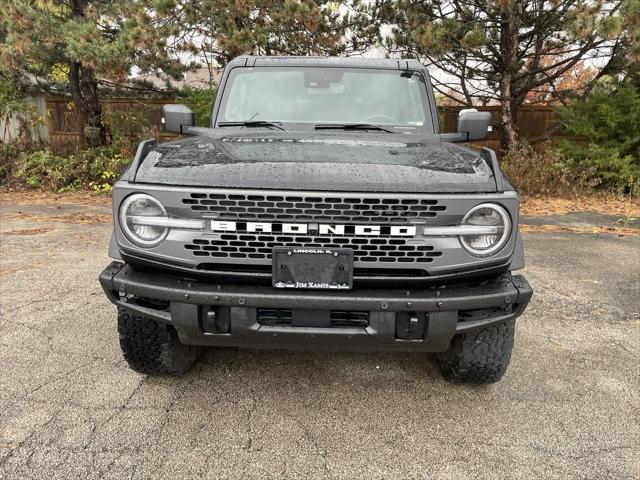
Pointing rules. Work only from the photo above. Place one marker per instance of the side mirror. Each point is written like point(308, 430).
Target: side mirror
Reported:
point(474, 125)
point(177, 118)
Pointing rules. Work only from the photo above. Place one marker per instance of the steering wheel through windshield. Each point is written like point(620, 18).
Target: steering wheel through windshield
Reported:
point(380, 119)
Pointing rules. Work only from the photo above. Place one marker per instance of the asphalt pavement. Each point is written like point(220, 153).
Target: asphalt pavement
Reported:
point(70, 407)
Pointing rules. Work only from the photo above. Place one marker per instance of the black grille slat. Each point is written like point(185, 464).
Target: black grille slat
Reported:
point(349, 319)
point(366, 249)
point(360, 210)
point(272, 316)
point(338, 318)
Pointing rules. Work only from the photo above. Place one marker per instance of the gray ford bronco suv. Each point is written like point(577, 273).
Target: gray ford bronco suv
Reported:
point(321, 209)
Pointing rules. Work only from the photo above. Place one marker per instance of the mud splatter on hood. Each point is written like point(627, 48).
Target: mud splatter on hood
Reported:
point(317, 161)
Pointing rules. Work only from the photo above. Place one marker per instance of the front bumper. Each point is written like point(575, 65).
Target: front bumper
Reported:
point(446, 310)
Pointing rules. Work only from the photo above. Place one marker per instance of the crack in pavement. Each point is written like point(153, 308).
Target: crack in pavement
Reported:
point(321, 451)
point(116, 412)
point(55, 379)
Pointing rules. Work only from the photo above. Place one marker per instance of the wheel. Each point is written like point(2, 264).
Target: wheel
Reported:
point(480, 356)
point(152, 347)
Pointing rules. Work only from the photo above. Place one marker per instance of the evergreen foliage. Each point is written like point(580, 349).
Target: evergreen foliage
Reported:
point(606, 125)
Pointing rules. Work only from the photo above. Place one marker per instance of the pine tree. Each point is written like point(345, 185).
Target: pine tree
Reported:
point(79, 43)
point(502, 50)
point(215, 31)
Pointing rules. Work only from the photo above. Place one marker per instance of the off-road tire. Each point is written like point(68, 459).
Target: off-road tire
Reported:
point(153, 348)
point(481, 356)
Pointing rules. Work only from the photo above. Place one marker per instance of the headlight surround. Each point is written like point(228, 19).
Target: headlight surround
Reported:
point(139, 206)
point(486, 215)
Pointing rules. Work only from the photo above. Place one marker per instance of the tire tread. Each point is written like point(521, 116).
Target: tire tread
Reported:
point(151, 347)
point(479, 357)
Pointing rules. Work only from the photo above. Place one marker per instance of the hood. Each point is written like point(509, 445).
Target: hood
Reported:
point(327, 161)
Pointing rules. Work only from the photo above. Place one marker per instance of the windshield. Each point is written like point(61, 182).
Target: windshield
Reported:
point(305, 97)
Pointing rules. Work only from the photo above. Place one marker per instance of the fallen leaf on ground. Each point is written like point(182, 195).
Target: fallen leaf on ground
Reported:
point(621, 207)
point(29, 231)
point(561, 228)
point(38, 197)
point(66, 218)
point(8, 271)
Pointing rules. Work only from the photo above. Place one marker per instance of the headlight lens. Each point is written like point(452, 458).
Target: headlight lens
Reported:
point(498, 222)
point(132, 213)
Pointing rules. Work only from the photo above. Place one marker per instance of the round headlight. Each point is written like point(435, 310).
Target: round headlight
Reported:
point(135, 213)
point(492, 232)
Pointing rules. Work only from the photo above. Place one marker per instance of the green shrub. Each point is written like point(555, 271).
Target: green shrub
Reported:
point(608, 142)
point(545, 171)
point(94, 168)
point(8, 154)
point(200, 101)
point(42, 169)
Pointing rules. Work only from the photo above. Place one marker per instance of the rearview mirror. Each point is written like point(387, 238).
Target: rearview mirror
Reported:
point(177, 118)
point(474, 125)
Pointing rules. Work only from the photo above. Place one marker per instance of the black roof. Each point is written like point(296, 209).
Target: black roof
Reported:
point(361, 62)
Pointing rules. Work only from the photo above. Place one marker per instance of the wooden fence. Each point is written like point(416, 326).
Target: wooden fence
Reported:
point(125, 116)
point(136, 116)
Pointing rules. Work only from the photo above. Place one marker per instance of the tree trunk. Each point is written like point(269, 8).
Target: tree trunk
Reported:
point(508, 133)
point(84, 91)
point(511, 12)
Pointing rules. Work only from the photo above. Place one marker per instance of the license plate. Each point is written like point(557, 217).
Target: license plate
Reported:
point(320, 268)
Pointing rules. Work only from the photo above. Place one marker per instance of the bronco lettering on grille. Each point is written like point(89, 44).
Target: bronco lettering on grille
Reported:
point(315, 228)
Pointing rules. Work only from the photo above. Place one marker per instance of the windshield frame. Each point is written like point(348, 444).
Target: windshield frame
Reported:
point(430, 127)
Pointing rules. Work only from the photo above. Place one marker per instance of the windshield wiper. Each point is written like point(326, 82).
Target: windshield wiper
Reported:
point(253, 123)
point(353, 126)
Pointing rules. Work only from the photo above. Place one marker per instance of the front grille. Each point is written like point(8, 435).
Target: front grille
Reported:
point(241, 250)
point(337, 319)
point(329, 208)
point(259, 247)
